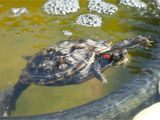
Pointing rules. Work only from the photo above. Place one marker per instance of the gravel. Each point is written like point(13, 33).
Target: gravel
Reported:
point(89, 20)
point(61, 7)
point(134, 3)
point(19, 11)
point(67, 33)
point(102, 7)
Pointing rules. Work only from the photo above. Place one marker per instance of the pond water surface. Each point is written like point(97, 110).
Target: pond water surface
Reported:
point(25, 35)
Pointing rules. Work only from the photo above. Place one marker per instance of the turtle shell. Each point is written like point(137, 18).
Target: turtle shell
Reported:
point(58, 64)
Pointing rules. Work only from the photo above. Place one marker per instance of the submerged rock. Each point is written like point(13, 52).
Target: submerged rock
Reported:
point(134, 3)
point(61, 7)
point(102, 7)
point(67, 33)
point(19, 11)
point(89, 20)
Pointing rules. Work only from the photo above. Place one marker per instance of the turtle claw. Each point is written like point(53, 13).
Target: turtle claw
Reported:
point(104, 81)
point(145, 42)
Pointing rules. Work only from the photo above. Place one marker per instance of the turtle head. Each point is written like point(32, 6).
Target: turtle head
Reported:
point(134, 42)
point(115, 57)
point(119, 56)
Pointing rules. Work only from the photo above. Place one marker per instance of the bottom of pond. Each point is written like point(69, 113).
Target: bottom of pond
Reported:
point(40, 100)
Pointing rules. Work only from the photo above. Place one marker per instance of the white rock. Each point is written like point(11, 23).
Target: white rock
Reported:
point(150, 113)
point(102, 7)
point(89, 20)
point(61, 7)
point(19, 11)
point(134, 3)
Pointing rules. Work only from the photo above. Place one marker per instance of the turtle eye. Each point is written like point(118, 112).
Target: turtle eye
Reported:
point(106, 56)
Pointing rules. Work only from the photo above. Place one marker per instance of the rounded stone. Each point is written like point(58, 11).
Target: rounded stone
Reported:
point(89, 20)
point(134, 3)
point(61, 7)
point(102, 7)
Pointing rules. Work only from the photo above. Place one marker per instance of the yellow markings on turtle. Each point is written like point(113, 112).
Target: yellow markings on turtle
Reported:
point(49, 82)
point(79, 66)
point(110, 43)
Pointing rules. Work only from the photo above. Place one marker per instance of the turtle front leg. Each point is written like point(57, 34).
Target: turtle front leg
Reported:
point(134, 42)
point(98, 74)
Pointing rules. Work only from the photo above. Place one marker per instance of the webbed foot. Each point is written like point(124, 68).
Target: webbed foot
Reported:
point(104, 80)
point(144, 41)
point(6, 105)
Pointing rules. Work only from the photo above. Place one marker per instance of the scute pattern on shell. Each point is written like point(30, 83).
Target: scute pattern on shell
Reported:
point(59, 63)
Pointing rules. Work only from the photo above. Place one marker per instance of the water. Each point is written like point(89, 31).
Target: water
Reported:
point(27, 34)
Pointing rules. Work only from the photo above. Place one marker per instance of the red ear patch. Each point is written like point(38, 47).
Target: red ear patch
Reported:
point(106, 56)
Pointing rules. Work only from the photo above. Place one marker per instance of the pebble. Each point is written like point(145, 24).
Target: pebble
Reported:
point(61, 7)
point(67, 33)
point(19, 11)
point(134, 3)
point(89, 20)
point(102, 7)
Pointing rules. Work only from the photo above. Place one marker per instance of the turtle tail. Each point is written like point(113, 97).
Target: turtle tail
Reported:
point(9, 97)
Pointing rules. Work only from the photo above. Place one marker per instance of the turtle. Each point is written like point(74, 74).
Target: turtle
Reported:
point(70, 62)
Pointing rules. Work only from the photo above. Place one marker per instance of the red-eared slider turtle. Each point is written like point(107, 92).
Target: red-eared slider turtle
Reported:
point(69, 62)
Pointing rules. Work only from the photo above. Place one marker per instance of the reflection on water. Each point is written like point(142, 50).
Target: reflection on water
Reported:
point(27, 34)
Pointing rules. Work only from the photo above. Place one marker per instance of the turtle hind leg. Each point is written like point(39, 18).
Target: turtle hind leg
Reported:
point(9, 97)
point(5, 97)
point(19, 87)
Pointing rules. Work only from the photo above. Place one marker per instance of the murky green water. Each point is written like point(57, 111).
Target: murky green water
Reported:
point(27, 34)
